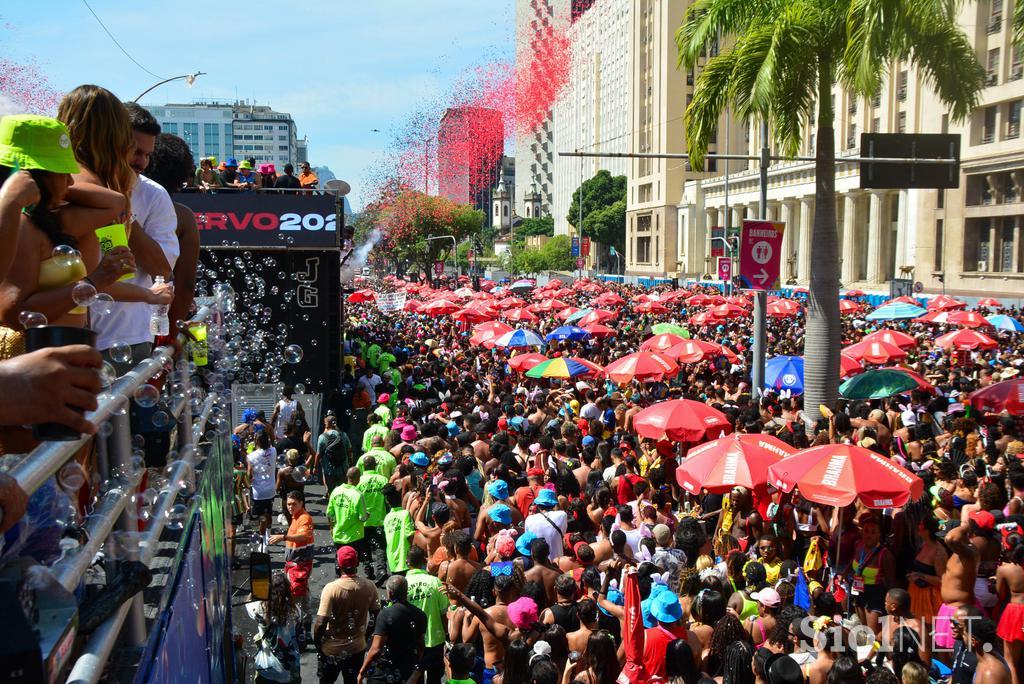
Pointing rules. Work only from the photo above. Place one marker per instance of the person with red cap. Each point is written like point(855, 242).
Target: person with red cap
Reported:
point(339, 633)
point(526, 495)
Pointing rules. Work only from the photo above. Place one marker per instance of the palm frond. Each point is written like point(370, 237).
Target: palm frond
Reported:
point(1018, 24)
point(710, 97)
point(874, 36)
point(708, 20)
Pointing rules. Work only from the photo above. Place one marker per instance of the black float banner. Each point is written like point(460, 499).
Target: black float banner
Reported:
point(306, 302)
point(249, 219)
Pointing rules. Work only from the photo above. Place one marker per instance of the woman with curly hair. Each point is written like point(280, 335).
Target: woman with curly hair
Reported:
point(600, 664)
point(277, 620)
point(755, 578)
point(727, 630)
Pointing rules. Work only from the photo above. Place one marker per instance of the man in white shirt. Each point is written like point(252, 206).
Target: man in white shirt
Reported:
point(154, 242)
point(369, 381)
point(548, 523)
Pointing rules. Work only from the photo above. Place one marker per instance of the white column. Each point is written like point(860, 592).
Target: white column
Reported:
point(737, 217)
point(788, 239)
point(876, 235)
point(902, 256)
point(803, 259)
point(849, 243)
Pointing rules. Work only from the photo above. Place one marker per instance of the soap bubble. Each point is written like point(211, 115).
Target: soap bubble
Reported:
point(31, 319)
point(299, 474)
point(83, 293)
point(300, 388)
point(71, 477)
point(181, 477)
point(146, 396)
point(176, 516)
point(107, 374)
point(138, 442)
point(120, 352)
point(293, 353)
point(65, 255)
point(161, 419)
point(105, 429)
point(102, 305)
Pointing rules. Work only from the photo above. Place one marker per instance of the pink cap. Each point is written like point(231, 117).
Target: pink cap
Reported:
point(523, 613)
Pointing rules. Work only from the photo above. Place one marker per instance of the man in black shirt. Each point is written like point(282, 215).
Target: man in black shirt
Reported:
point(965, 662)
point(288, 180)
point(398, 627)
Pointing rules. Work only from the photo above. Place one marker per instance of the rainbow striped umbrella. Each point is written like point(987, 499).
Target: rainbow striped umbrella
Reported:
point(563, 367)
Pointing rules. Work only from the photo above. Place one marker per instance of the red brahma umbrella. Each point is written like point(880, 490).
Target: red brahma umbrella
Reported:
point(969, 319)
point(681, 420)
point(893, 337)
point(849, 366)
point(650, 307)
point(695, 351)
point(736, 460)
point(990, 303)
point(875, 352)
point(661, 342)
point(839, 474)
point(440, 307)
point(946, 303)
point(642, 366)
point(966, 340)
point(360, 296)
point(520, 315)
point(1002, 396)
point(485, 333)
point(524, 362)
point(598, 330)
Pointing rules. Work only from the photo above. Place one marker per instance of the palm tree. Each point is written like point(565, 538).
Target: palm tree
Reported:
point(1018, 24)
point(785, 57)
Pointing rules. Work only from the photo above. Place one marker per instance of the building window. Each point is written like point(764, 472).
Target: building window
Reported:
point(901, 126)
point(876, 99)
point(901, 87)
point(645, 196)
point(1013, 119)
point(875, 124)
point(988, 130)
point(1016, 67)
point(995, 18)
point(190, 133)
point(992, 70)
point(505, 210)
point(938, 241)
point(282, 148)
point(211, 135)
point(1007, 246)
point(851, 136)
point(852, 107)
point(170, 127)
point(643, 249)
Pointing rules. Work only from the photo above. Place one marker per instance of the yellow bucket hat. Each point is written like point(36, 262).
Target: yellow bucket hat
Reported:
point(36, 142)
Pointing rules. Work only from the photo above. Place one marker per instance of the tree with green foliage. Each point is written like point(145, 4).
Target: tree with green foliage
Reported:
point(557, 253)
point(785, 58)
point(604, 209)
point(545, 225)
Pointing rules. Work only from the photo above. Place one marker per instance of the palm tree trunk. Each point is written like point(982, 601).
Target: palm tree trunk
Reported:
point(822, 340)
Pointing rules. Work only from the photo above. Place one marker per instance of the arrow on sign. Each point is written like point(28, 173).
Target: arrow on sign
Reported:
point(762, 277)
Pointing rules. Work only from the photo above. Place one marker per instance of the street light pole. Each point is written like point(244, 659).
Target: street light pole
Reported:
point(189, 80)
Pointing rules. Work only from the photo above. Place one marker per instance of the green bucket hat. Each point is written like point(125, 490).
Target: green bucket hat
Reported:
point(36, 142)
point(245, 165)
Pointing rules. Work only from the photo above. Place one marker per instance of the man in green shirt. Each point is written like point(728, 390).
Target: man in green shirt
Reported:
point(425, 593)
point(373, 428)
point(399, 529)
point(373, 355)
point(382, 457)
point(385, 361)
point(371, 485)
point(346, 511)
point(383, 409)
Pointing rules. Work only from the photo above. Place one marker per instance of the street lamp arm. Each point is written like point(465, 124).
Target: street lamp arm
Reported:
point(190, 78)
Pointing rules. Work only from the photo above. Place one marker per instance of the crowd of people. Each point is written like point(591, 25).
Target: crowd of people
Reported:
point(232, 176)
point(523, 530)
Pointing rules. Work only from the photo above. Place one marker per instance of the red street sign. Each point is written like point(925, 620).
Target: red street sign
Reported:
point(579, 263)
point(761, 254)
point(585, 247)
point(724, 269)
point(438, 268)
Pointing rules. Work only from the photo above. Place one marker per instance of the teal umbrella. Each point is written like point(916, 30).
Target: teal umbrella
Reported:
point(877, 384)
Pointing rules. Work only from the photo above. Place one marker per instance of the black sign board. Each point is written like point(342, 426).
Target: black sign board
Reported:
point(901, 287)
point(249, 219)
point(899, 175)
point(299, 301)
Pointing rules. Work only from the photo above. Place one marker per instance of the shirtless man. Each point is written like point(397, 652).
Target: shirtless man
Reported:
point(459, 508)
point(492, 624)
point(543, 572)
point(586, 610)
point(957, 582)
point(459, 571)
point(898, 615)
point(1010, 589)
point(991, 668)
point(427, 537)
point(486, 526)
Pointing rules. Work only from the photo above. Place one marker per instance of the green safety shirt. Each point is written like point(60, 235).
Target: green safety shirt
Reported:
point(399, 528)
point(385, 462)
point(425, 593)
point(371, 432)
point(372, 487)
point(347, 512)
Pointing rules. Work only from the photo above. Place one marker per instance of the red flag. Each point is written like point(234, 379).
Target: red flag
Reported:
point(633, 671)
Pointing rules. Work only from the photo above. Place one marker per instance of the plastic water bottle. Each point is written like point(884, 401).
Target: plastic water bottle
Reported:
point(159, 324)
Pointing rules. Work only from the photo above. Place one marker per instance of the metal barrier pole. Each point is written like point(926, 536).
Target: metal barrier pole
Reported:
point(185, 436)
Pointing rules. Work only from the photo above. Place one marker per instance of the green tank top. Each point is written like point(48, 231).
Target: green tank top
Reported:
point(749, 609)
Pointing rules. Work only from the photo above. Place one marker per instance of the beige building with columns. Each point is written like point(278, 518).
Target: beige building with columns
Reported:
point(970, 237)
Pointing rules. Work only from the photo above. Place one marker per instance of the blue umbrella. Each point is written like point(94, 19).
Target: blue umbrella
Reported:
point(785, 373)
point(520, 337)
point(1001, 322)
point(567, 332)
point(892, 312)
point(578, 315)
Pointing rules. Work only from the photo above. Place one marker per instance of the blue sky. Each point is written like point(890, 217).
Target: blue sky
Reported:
point(341, 68)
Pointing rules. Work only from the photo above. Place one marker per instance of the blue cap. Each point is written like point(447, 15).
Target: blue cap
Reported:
point(453, 429)
point(665, 608)
point(588, 440)
point(420, 459)
point(546, 497)
point(501, 514)
point(524, 541)
point(231, 162)
point(498, 489)
point(516, 423)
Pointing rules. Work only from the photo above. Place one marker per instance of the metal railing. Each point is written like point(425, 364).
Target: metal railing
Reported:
point(111, 513)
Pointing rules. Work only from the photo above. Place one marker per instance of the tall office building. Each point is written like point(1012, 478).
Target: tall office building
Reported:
point(967, 240)
point(240, 130)
point(591, 113)
point(659, 94)
point(538, 22)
